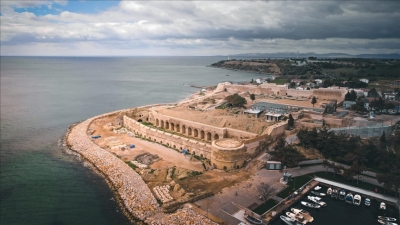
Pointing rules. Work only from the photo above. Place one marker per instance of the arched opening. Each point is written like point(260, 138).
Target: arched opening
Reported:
point(208, 136)
point(155, 139)
point(201, 155)
point(237, 167)
point(162, 123)
point(161, 142)
point(167, 125)
point(216, 137)
point(196, 133)
point(174, 146)
point(183, 129)
point(157, 122)
point(225, 168)
point(189, 131)
point(278, 93)
point(215, 166)
point(178, 128)
point(147, 119)
point(180, 148)
point(140, 120)
point(202, 134)
point(194, 153)
point(172, 126)
point(168, 144)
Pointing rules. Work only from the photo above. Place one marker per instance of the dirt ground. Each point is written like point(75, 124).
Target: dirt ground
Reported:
point(192, 182)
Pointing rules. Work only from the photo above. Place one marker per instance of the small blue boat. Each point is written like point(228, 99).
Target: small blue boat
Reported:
point(96, 136)
point(349, 198)
point(367, 202)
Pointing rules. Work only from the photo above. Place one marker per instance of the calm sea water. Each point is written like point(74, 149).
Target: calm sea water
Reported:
point(42, 96)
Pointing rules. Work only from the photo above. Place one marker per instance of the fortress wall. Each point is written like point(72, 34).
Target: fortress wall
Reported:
point(165, 138)
point(299, 93)
point(326, 93)
point(239, 134)
point(187, 127)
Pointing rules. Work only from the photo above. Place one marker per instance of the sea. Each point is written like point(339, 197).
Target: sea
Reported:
point(42, 96)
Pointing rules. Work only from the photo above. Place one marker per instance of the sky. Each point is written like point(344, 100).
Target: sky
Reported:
point(197, 28)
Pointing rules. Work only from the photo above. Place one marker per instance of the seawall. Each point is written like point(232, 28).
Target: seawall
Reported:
point(133, 195)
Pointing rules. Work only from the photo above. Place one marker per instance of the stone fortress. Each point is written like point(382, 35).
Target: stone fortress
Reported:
point(170, 125)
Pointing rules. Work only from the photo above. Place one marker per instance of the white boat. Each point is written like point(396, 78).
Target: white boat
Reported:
point(317, 188)
point(386, 222)
point(299, 218)
point(357, 200)
point(306, 215)
point(382, 206)
point(342, 194)
point(349, 198)
point(311, 205)
point(367, 202)
point(335, 193)
point(318, 193)
point(329, 191)
point(289, 221)
point(316, 200)
point(389, 219)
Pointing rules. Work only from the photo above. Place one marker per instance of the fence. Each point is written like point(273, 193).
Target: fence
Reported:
point(365, 131)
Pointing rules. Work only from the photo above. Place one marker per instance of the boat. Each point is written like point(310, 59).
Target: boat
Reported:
point(329, 191)
point(349, 198)
point(334, 193)
point(318, 193)
point(386, 222)
point(316, 200)
point(342, 194)
point(367, 202)
point(382, 206)
point(289, 221)
point(252, 219)
point(357, 200)
point(311, 205)
point(389, 219)
point(306, 215)
point(317, 188)
point(299, 218)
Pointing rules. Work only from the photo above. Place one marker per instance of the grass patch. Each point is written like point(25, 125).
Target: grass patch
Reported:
point(309, 165)
point(265, 207)
point(353, 182)
point(222, 106)
point(294, 184)
point(133, 166)
point(148, 124)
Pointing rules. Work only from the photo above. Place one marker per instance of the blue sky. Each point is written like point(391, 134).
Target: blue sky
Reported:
point(123, 28)
point(85, 7)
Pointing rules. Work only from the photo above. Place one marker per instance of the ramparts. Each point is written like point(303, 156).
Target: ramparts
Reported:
point(172, 140)
point(134, 196)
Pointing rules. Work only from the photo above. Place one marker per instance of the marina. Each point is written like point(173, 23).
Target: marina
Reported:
point(337, 211)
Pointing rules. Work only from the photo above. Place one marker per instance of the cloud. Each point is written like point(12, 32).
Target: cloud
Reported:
point(219, 27)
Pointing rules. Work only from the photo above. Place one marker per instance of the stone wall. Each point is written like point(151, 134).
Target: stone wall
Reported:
point(333, 121)
point(169, 139)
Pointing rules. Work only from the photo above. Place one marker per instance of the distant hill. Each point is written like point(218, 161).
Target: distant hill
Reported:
point(306, 55)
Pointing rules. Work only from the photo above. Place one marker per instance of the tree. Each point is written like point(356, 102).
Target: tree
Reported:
point(288, 155)
point(347, 97)
point(390, 180)
point(265, 191)
point(290, 121)
point(313, 101)
point(383, 141)
point(357, 169)
point(353, 95)
point(252, 97)
point(236, 100)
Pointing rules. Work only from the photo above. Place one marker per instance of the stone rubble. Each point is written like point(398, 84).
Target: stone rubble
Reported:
point(162, 193)
point(135, 195)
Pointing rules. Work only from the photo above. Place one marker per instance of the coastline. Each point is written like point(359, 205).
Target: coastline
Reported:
point(132, 194)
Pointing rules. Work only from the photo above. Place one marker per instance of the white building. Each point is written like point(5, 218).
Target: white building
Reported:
point(364, 80)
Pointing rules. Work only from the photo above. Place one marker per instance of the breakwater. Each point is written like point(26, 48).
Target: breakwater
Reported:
point(133, 195)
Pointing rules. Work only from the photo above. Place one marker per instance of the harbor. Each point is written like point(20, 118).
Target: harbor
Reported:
point(337, 211)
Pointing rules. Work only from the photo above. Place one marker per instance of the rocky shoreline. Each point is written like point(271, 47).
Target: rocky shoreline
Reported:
point(132, 194)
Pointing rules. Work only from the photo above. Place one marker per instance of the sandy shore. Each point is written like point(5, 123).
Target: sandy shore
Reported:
point(133, 195)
